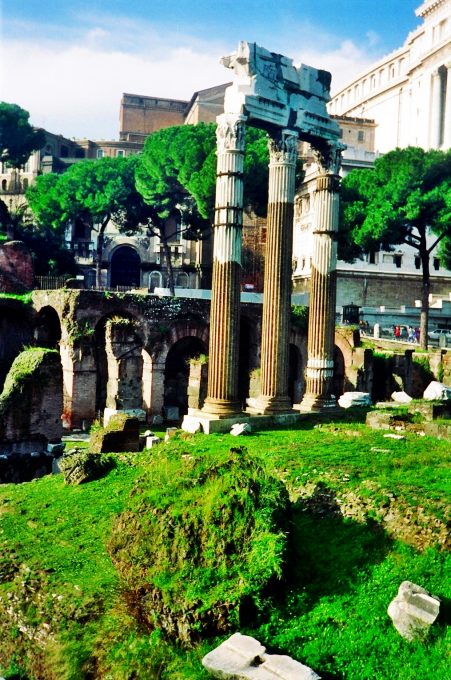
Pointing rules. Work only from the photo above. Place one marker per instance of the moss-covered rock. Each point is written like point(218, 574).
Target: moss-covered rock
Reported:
point(81, 466)
point(121, 434)
point(201, 541)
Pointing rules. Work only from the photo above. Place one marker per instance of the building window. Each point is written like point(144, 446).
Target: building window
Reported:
point(120, 153)
point(79, 153)
point(100, 153)
point(25, 184)
point(372, 257)
point(397, 259)
point(417, 262)
point(64, 151)
point(4, 184)
point(392, 71)
point(436, 263)
point(360, 136)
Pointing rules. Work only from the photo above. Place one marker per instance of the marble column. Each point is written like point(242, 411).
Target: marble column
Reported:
point(323, 283)
point(277, 283)
point(447, 130)
point(222, 396)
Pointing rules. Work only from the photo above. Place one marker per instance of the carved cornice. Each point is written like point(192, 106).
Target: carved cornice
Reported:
point(283, 148)
point(328, 158)
point(231, 133)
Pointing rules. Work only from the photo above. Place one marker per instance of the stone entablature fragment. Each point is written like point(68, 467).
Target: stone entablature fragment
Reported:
point(273, 93)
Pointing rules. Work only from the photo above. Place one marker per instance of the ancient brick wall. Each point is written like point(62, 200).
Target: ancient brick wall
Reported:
point(32, 401)
point(16, 267)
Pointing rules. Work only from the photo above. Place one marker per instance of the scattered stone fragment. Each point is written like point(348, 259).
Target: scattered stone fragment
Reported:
point(401, 397)
point(393, 436)
point(349, 399)
point(170, 432)
point(413, 610)
point(152, 441)
point(241, 657)
point(192, 426)
point(240, 428)
point(437, 391)
point(56, 449)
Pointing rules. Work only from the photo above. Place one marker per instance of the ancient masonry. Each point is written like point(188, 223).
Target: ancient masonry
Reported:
point(290, 104)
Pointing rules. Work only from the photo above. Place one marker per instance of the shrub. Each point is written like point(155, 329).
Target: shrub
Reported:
point(201, 541)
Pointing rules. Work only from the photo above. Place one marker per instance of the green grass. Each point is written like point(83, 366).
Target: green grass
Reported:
point(330, 609)
point(24, 297)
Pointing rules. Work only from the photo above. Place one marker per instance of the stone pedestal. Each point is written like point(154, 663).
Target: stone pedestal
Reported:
point(321, 330)
point(222, 397)
point(277, 284)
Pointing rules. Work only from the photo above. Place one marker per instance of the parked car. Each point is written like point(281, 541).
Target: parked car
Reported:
point(437, 332)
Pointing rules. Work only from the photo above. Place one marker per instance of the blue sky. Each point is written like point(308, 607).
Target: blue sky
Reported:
point(68, 62)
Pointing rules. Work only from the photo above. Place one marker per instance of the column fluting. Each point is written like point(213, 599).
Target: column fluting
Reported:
point(273, 396)
point(222, 396)
point(323, 283)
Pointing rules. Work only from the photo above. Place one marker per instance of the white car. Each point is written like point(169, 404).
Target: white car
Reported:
point(435, 334)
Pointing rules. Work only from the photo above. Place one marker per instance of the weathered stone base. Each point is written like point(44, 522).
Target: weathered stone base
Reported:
point(312, 403)
point(210, 423)
point(264, 405)
point(220, 408)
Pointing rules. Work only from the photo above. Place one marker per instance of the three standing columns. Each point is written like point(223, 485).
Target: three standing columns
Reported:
point(323, 287)
point(283, 153)
point(222, 396)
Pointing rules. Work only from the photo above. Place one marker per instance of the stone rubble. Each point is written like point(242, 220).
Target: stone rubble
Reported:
point(437, 391)
point(401, 397)
point(241, 657)
point(413, 610)
point(240, 428)
point(349, 399)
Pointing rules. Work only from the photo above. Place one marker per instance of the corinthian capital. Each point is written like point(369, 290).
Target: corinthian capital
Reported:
point(328, 158)
point(231, 132)
point(283, 147)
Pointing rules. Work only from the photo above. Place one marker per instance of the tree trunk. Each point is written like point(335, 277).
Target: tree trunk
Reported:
point(167, 254)
point(425, 290)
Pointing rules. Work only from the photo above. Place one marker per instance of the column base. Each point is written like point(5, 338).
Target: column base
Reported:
point(317, 403)
point(198, 421)
point(221, 408)
point(264, 405)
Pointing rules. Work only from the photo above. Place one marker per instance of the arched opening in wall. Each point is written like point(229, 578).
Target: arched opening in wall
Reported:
point(339, 372)
point(47, 331)
point(155, 281)
point(295, 373)
point(4, 184)
point(125, 267)
point(176, 375)
point(15, 334)
point(182, 280)
point(244, 369)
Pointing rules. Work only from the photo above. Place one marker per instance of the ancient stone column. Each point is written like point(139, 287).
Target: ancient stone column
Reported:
point(222, 397)
point(277, 284)
point(323, 283)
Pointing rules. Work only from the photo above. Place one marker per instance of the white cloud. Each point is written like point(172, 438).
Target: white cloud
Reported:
point(71, 81)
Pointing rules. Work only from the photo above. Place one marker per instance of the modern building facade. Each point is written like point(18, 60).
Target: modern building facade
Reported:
point(408, 92)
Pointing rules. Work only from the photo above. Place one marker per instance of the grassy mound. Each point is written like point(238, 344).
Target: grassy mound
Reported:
point(200, 542)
